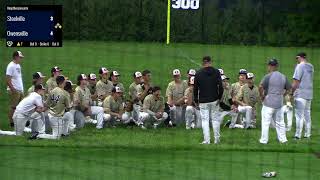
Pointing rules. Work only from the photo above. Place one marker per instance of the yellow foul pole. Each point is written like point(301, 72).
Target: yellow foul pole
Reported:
point(168, 22)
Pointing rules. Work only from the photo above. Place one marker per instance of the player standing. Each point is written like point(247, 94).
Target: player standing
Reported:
point(208, 91)
point(14, 83)
point(302, 89)
point(272, 88)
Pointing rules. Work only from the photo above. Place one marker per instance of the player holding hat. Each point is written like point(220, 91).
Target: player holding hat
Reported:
point(272, 88)
point(175, 97)
point(14, 83)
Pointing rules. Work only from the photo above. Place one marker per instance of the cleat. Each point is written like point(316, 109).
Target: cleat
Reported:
point(193, 125)
point(27, 130)
point(34, 136)
point(205, 142)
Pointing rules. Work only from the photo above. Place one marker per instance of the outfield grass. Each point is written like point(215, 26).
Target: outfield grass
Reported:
point(132, 153)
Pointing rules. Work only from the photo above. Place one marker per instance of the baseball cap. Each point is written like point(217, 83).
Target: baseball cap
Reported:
point(55, 69)
point(38, 75)
point(176, 72)
point(243, 71)
point(38, 87)
point(250, 75)
point(92, 76)
point(191, 80)
point(117, 89)
point(192, 72)
point(273, 62)
point(82, 77)
point(223, 77)
point(70, 82)
point(18, 53)
point(206, 59)
point(221, 71)
point(115, 73)
point(302, 55)
point(103, 70)
point(137, 74)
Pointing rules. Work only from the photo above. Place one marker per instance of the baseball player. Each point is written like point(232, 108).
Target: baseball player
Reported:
point(272, 88)
point(175, 97)
point(25, 110)
point(288, 110)
point(113, 109)
point(71, 113)
point(135, 98)
point(227, 107)
point(302, 89)
point(14, 83)
point(146, 84)
point(192, 115)
point(83, 102)
point(153, 108)
point(114, 78)
point(247, 98)
point(37, 78)
point(51, 82)
point(59, 103)
point(92, 79)
point(190, 73)
point(104, 86)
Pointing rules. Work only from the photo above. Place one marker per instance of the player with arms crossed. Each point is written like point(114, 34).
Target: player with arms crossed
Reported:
point(272, 88)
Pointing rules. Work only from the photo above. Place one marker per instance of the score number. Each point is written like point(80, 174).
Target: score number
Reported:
point(185, 4)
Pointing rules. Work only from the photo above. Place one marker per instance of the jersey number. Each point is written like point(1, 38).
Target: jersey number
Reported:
point(185, 4)
point(55, 98)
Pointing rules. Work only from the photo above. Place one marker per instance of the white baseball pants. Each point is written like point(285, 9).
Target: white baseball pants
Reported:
point(210, 111)
point(303, 115)
point(267, 115)
point(192, 115)
point(288, 110)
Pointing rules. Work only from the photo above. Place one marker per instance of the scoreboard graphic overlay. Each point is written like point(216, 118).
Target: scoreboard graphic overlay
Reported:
point(34, 26)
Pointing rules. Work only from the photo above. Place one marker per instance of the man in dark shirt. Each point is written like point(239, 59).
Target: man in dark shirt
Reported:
point(208, 91)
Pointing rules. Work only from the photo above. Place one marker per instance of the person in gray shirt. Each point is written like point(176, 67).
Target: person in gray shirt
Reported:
point(302, 89)
point(272, 89)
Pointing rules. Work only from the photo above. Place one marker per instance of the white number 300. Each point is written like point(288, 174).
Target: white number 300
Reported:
point(185, 4)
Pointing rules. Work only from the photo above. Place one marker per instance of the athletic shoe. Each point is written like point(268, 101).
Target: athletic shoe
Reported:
point(142, 126)
point(170, 123)
point(296, 138)
point(269, 174)
point(238, 126)
point(91, 121)
point(27, 130)
point(34, 135)
point(216, 141)
point(205, 142)
point(155, 126)
point(193, 125)
point(227, 124)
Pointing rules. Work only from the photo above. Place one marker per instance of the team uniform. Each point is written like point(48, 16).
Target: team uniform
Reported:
point(116, 106)
point(25, 111)
point(176, 92)
point(235, 88)
point(103, 89)
point(51, 84)
point(58, 102)
point(192, 114)
point(151, 106)
point(274, 85)
point(287, 109)
point(303, 97)
point(249, 96)
point(82, 101)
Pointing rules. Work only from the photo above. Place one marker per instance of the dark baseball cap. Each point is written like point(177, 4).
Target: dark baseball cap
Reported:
point(273, 62)
point(56, 69)
point(38, 75)
point(39, 87)
point(302, 55)
point(206, 59)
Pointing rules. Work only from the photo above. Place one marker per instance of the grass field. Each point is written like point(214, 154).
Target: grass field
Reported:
point(132, 153)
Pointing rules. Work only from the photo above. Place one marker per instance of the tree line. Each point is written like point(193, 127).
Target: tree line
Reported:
point(249, 22)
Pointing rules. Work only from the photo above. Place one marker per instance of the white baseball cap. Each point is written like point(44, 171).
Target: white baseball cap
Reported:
point(82, 77)
point(223, 77)
point(192, 72)
point(137, 74)
point(115, 73)
point(92, 76)
point(18, 53)
point(117, 89)
point(250, 75)
point(103, 70)
point(191, 80)
point(176, 72)
point(221, 71)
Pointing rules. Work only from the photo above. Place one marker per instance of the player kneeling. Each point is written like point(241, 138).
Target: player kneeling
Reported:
point(153, 108)
point(26, 111)
point(113, 109)
point(192, 112)
point(59, 103)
